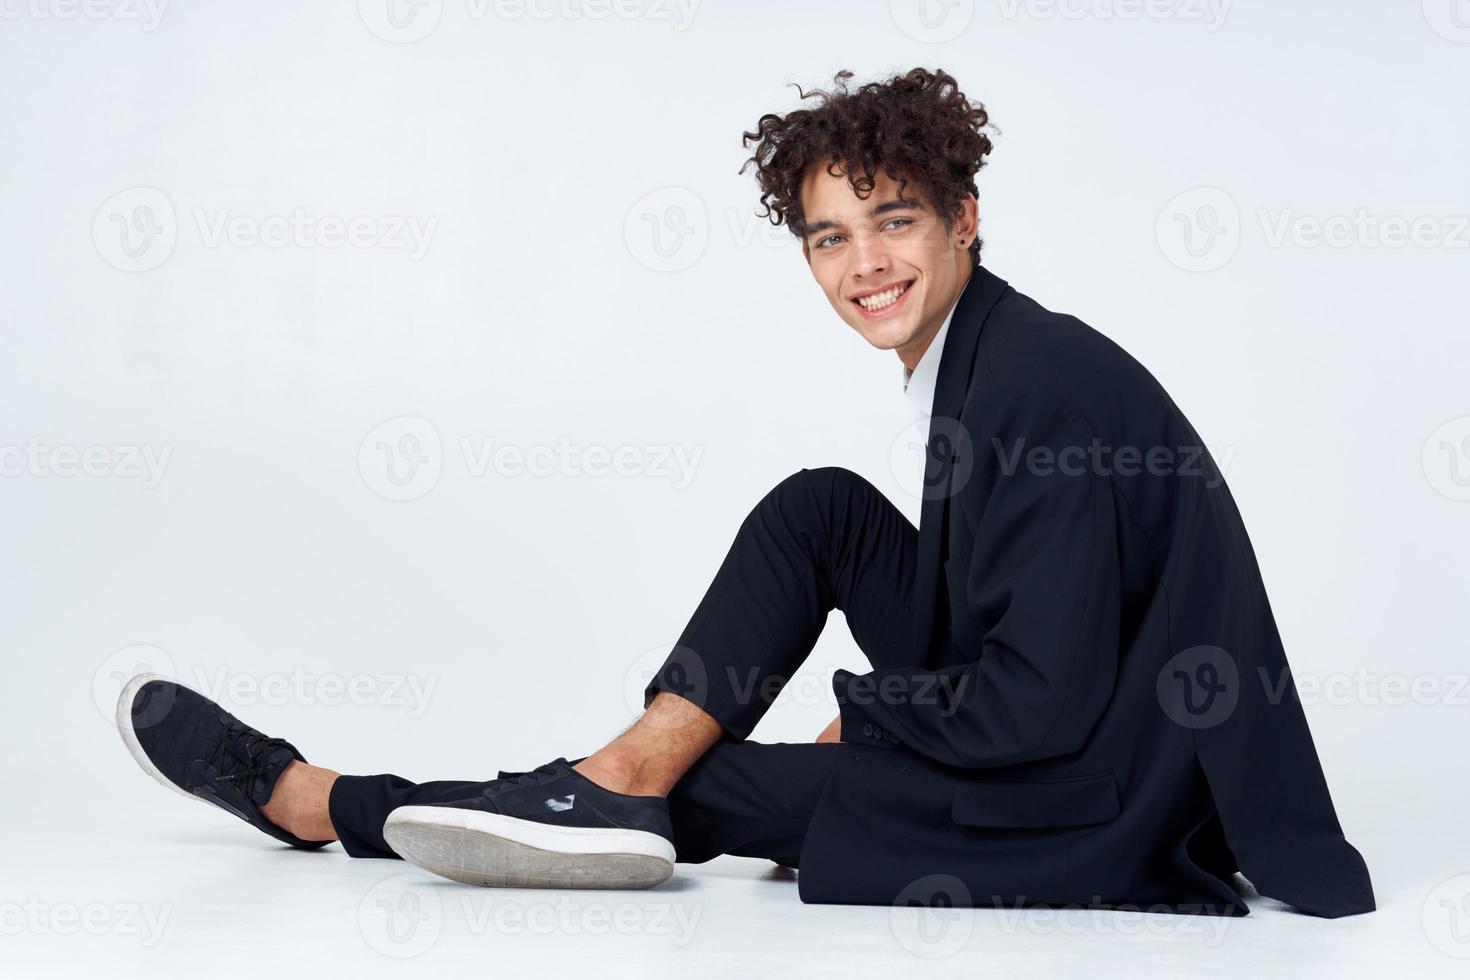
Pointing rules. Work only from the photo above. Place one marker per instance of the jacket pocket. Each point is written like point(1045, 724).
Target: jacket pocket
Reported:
point(1035, 803)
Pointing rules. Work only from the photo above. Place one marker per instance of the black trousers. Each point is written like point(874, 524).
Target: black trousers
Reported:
point(822, 539)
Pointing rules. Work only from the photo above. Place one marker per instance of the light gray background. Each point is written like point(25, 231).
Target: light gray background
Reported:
point(1264, 202)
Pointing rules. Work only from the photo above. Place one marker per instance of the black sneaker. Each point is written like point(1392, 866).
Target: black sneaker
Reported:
point(194, 747)
point(551, 827)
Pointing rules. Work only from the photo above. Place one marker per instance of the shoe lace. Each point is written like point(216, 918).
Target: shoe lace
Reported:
point(255, 747)
point(538, 775)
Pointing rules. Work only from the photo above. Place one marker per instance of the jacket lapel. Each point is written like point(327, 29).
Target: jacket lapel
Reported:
point(956, 368)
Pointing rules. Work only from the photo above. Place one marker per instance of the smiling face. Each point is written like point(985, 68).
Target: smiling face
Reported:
point(889, 266)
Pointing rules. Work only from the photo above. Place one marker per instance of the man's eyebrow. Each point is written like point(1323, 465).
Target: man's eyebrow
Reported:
point(895, 204)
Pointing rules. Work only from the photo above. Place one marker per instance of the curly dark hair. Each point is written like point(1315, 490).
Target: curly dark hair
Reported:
point(917, 126)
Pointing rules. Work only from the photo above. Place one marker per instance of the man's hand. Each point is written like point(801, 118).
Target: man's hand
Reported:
point(833, 732)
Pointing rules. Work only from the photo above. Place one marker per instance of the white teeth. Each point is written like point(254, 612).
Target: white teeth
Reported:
point(879, 300)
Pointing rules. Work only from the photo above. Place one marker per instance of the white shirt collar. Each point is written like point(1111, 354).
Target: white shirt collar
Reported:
point(918, 384)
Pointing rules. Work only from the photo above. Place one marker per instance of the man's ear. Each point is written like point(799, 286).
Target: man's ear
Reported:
point(969, 221)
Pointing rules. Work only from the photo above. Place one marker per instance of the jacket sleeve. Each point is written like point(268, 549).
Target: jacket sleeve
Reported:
point(1036, 606)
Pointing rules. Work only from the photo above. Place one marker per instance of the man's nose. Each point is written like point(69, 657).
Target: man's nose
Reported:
point(869, 256)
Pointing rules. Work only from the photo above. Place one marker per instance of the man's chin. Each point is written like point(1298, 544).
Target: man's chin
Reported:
point(884, 337)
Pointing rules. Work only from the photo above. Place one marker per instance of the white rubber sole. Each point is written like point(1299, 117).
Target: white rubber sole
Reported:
point(480, 848)
point(124, 719)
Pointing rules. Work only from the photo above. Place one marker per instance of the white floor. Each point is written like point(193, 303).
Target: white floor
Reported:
point(172, 890)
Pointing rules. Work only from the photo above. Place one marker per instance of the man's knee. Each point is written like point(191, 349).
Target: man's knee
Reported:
point(820, 485)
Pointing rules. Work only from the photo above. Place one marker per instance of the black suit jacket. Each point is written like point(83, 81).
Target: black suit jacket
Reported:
point(1099, 709)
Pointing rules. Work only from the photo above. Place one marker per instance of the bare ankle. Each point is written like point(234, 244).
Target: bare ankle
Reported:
point(654, 753)
point(298, 804)
point(615, 768)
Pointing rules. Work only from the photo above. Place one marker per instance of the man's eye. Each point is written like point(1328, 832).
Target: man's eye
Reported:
point(907, 221)
point(822, 243)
